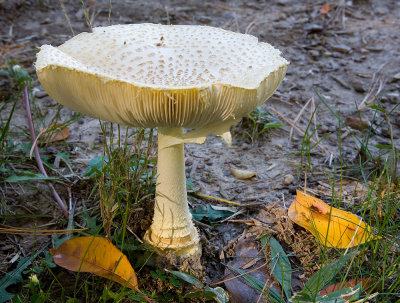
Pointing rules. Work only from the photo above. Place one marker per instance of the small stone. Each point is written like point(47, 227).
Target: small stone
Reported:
point(342, 48)
point(205, 19)
point(396, 77)
point(314, 53)
point(40, 94)
point(332, 129)
point(358, 85)
point(189, 162)
point(393, 97)
point(292, 189)
point(81, 121)
point(375, 49)
point(209, 161)
point(46, 21)
point(262, 186)
point(288, 179)
point(313, 28)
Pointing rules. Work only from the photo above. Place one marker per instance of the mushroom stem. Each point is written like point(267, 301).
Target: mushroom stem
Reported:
point(172, 227)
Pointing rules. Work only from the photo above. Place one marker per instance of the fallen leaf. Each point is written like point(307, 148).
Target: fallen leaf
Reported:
point(95, 255)
point(212, 213)
point(325, 9)
point(55, 132)
point(242, 174)
point(331, 226)
point(355, 122)
point(247, 288)
point(350, 283)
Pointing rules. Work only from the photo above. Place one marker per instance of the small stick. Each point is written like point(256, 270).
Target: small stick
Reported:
point(320, 146)
point(297, 118)
point(37, 155)
point(216, 199)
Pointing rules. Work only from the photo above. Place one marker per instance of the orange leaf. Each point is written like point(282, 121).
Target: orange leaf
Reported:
point(335, 227)
point(95, 255)
point(55, 132)
point(325, 9)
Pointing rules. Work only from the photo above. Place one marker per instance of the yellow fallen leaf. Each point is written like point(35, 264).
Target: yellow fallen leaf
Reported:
point(96, 255)
point(242, 174)
point(335, 227)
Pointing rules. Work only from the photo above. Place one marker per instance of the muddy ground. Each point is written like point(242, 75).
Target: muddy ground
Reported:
point(349, 55)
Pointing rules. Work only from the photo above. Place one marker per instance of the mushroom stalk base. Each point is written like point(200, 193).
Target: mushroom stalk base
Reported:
point(172, 228)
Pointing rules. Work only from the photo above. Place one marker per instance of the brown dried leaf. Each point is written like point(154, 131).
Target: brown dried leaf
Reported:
point(55, 132)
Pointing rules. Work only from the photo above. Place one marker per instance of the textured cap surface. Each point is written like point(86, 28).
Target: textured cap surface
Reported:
point(161, 75)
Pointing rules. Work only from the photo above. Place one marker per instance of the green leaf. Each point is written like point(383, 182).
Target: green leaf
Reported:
point(187, 278)
point(7, 126)
point(200, 294)
point(91, 224)
point(323, 276)
point(95, 166)
point(340, 296)
point(29, 177)
point(217, 293)
point(15, 276)
point(280, 266)
point(343, 295)
point(210, 213)
point(259, 285)
point(64, 155)
point(221, 296)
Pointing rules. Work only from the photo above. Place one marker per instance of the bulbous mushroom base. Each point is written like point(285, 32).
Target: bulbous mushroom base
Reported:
point(183, 246)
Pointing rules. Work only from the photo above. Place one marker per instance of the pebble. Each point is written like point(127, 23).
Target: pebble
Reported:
point(262, 186)
point(358, 85)
point(396, 77)
point(46, 21)
point(376, 49)
point(292, 189)
point(208, 161)
point(81, 121)
point(205, 19)
point(40, 94)
point(189, 162)
point(313, 28)
point(393, 97)
point(288, 179)
point(342, 48)
point(331, 66)
point(314, 53)
point(332, 128)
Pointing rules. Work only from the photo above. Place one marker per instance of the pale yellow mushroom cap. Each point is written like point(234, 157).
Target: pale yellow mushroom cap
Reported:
point(153, 75)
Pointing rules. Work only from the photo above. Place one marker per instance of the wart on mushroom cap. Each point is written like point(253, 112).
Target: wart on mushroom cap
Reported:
point(166, 76)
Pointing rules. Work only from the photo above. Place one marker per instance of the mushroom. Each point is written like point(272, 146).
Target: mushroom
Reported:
point(166, 76)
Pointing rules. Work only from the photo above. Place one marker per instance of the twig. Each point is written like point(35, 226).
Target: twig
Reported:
point(216, 199)
point(376, 85)
point(297, 118)
point(320, 146)
point(37, 155)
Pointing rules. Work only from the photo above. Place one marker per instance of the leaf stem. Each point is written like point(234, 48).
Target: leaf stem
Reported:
point(37, 155)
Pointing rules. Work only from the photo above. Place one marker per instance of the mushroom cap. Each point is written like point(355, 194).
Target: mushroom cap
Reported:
point(152, 75)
